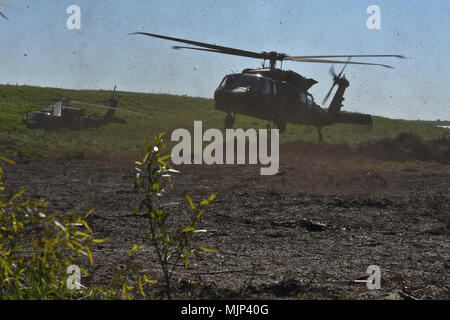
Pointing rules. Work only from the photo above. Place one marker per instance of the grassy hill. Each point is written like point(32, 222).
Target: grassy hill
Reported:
point(163, 113)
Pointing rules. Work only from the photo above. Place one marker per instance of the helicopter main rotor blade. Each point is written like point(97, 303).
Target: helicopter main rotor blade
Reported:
point(271, 56)
point(218, 49)
point(200, 49)
point(352, 56)
point(102, 106)
point(336, 61)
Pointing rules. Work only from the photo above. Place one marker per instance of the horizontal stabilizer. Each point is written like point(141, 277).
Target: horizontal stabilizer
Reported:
point(355, 118)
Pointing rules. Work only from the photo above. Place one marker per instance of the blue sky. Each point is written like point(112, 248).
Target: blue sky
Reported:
point(102, 54)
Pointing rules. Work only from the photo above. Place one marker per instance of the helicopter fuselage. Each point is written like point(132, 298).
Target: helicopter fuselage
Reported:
point(280, 96)
point(68, 117)
point(57, 116)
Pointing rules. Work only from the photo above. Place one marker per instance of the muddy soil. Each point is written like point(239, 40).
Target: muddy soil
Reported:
point(306, 233)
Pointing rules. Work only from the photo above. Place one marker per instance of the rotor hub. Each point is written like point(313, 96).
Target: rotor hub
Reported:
point(273, 57)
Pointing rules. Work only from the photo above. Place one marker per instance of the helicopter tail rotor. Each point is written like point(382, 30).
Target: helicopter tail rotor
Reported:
point(332, 72)
point(329, 93)
point(336, 79)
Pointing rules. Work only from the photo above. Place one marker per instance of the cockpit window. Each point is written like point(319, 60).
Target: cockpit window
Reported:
point(302, 97)
point(255, 83)
point(246, 81)
point(224, 82)
point(306, 98)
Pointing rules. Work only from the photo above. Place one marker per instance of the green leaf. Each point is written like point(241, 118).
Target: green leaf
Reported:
point(141, 289)
point(89, 213)
point(211, 198)
point(18, 194)
point(207, 249)
point(145, 158)
point(91, 258)
point(2, 157)
point(101, 240)
point(188, 229)
point(146, 279)
point(86, 225)
point(164, 157)
point(135, 248)
point(191, 203)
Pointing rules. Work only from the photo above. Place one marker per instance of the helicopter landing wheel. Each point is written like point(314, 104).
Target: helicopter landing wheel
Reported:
point(319, 131)
point(229, 121)
point(281, 126)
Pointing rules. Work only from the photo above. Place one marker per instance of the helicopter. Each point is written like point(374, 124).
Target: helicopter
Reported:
point(281, 96)
point(57, 116)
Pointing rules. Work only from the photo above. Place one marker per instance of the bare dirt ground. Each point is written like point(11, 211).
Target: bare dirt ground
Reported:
point(306, 233)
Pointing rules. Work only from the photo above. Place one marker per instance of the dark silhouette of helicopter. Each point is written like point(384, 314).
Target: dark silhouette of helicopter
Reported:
point(279, 95)
point(57, 116)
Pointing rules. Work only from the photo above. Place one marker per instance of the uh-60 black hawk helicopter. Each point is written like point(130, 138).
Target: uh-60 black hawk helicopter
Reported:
point(279, 95)
point(57, 116)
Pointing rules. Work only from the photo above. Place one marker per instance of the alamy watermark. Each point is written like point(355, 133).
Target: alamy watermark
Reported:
point(73, 22)
point(374, 20)
point(374, 280)
point(213, 153)
point(73, 281)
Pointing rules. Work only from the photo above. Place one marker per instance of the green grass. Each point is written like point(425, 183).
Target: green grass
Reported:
point(163, 113)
